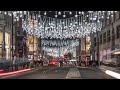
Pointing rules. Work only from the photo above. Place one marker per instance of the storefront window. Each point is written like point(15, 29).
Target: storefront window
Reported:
point(1, 40)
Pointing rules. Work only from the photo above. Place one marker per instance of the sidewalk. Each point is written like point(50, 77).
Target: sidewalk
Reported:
point(112, 71)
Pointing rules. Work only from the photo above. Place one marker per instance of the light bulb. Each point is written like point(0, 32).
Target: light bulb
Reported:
point(17, 11)
point(59, 13)
point(39, 16)
point(5, 13)
point(45, 13)
point(22, 19)
point(10, 14)
point(76, 15)
point(82, 12)
point(25, 12)
point(64, 15)
point(70, 12)
point(111, 15)
point(20, 12)
point(55, 15)
point(21, 15)
point(79, 12)
point(112, 12)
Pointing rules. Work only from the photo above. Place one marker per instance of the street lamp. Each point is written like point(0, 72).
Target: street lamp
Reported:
point(33, 39)
point(12, 38)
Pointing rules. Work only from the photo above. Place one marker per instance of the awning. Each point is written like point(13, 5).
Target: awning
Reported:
point(117, 51)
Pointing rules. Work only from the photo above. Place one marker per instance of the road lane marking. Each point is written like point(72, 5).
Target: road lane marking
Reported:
point(113, 74)
point(73, 73)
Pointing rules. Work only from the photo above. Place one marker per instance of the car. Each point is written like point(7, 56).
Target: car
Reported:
point(45, 63)
point(53, 62)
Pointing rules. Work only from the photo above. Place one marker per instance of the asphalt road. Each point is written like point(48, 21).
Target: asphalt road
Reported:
point(63, 72)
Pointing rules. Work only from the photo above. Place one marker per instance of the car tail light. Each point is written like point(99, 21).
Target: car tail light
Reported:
point(53, 62)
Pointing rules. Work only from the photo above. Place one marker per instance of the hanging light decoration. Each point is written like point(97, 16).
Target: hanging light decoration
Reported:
point(82, 24)
point(59, 13)
point(57, 43)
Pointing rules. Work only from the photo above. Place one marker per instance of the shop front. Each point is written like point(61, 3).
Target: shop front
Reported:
point(5, 53)
point(33, 47)
point(7, 45)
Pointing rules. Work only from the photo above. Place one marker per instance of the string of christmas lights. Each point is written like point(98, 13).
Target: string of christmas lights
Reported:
point(78, 25)
point(82, 24)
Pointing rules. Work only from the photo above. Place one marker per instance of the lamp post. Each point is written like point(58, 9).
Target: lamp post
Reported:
point(79, 52)
point(4, 42)
point(33, 39)
point(12, 58)
point(59, 51)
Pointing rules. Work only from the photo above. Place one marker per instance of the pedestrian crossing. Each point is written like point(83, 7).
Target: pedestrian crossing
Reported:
point(73, 73)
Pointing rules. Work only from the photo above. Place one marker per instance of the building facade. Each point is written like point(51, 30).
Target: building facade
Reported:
point(107, 41)
point(7, 37)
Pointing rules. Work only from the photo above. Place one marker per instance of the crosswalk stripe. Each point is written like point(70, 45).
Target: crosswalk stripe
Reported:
point(73, 73)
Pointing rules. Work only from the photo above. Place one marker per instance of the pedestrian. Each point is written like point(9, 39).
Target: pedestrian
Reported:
point(94, 63)
point(61, 63)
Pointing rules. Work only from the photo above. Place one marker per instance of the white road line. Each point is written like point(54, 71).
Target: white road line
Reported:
point(113, 74)
point(73, 73)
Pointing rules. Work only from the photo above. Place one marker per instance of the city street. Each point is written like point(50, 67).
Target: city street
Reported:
point(60, 44)
point(64, 72)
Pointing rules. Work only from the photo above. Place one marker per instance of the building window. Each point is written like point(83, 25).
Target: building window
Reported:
point(118, 32)
point(108, 36)
point(104, 37)
point(101, 39)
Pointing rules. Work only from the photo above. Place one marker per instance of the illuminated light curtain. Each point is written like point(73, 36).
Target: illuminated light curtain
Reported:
point(80, 25)
point(57, 42)
point(75, 27)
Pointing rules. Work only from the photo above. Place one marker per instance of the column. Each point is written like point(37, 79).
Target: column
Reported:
point(79, 57)
point(3, 53)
